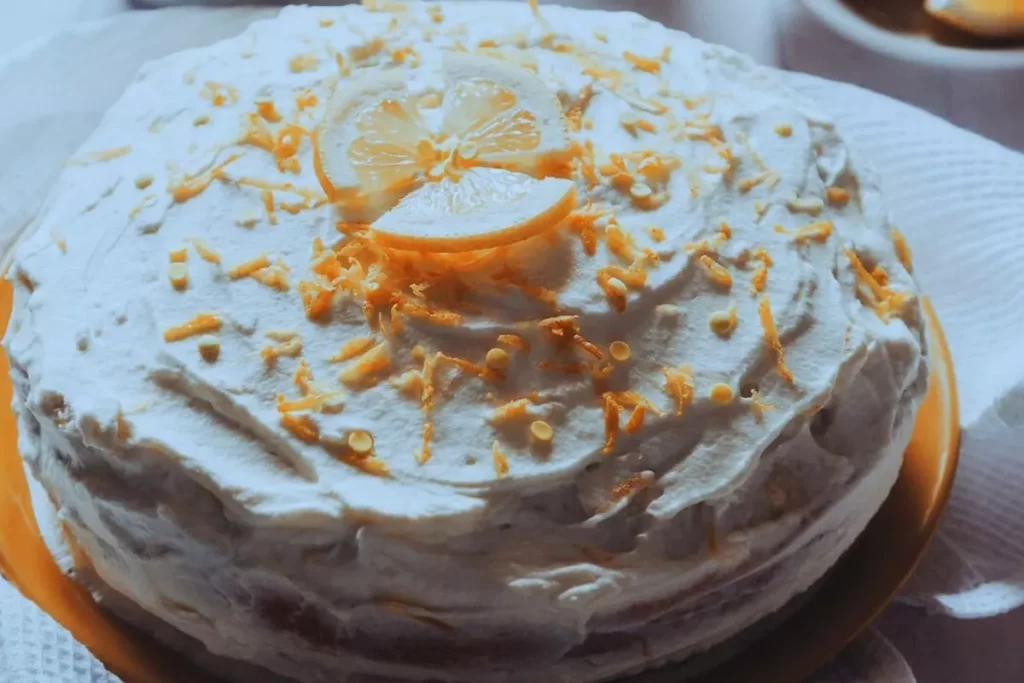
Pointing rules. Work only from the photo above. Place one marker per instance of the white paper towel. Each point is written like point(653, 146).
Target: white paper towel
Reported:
point(35, 649)
point(960, 201)
point(957, 197)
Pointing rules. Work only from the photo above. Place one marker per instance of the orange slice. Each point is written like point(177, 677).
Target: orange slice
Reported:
point(503, 111)
point(379, 141)
point(367, 149)
point(482, 209)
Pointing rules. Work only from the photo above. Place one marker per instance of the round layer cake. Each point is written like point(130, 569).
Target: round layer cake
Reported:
point(463, 342)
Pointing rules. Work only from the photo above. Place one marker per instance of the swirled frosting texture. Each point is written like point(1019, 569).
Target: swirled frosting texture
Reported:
point(776, 351)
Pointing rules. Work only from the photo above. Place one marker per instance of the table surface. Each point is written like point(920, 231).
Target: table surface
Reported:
point(939, 649)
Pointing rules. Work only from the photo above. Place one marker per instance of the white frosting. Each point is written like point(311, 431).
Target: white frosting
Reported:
point(176, 477)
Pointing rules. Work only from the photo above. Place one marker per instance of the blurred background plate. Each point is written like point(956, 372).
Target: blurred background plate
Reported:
point(855, 593)
point(893, 47)
point(903, 30)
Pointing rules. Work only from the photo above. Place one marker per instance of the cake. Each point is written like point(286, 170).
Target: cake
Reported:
point(464, 342)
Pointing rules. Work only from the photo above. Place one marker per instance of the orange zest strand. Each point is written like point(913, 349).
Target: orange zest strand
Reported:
point(247, 268)
point(899, 243)
point(679, 386)
point(816, 232)
point(499, 459)
point(301, 427)
point(771, 337)
point(352, 348)
point(629, 486)
point(760, 279)
point(424, 453)
point(201, 324)
point(647, 64)
point(194, 185)
point(636, 420)
point(716, 272)
point(611, 422)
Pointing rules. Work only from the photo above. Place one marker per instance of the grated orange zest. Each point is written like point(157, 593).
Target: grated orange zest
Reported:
point(247, 268)
point(899, 243)
point(588, 347)
point(865, 278)
point(209, 348)
point(470, 367)
point(301, 427)
point(291, 348)
point(275, 277)
point(679, 386)
point(314, 402)
point(611, 422)
point(716, 272)
point(268, 111)
point(316, 298)
point(366, 50)
point(723, 322)
point(619, 242)
point(257, 134)
point(816, 232)
point(361, 371)
point(758, 407)
point(200, 324)
point(427, 397)
point(646, 64)
point(305, 100)
point(409, 383)
point(636, 420)
point(353, 348)
point(582, 222)
point(423, 455)
point(628, 486)
point(760, 278)
point(512, 410)
point(219, 94)
point(436, 316)
point(514, 341)
point(192, 186)
point(205, 251)
point(721, 393)
point(102, 155)
point(499, 459)
point(747, 184)
point(302, 376)
point(771, 338)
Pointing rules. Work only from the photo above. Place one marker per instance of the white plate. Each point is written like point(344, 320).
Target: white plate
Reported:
point(838, 16)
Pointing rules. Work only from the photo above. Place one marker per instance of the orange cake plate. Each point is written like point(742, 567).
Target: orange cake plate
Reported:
point(861, 585)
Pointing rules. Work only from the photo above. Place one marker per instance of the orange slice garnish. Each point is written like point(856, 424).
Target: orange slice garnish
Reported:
point(471, 156)
point(484, 208)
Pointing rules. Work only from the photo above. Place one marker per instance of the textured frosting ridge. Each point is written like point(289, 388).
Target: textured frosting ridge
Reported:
point(723, 338)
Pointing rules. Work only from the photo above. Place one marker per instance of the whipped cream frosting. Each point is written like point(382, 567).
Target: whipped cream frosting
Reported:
point(775, 344)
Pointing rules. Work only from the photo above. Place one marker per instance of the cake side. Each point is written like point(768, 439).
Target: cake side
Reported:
point(688, 625)
point(194, 498)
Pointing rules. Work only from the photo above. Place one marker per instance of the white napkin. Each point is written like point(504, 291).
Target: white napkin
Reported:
point(36, 649)
point(957, 197)
point(960, 200)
